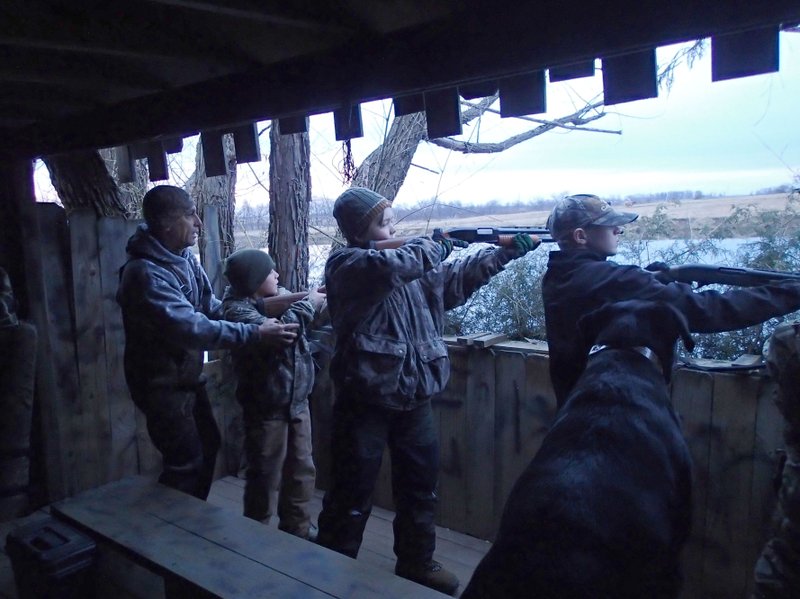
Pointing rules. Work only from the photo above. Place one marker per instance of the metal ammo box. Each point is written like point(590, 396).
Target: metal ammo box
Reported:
point(51, 561)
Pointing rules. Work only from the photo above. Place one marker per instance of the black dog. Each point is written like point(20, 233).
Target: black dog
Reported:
point(604, 508)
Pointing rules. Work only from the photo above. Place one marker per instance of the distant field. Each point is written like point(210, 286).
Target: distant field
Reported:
point(686, 209)
point(690, 212)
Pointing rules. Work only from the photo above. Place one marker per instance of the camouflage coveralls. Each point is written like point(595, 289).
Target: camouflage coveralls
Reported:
point(777, 571)
point(387, 308)
point(273, 388)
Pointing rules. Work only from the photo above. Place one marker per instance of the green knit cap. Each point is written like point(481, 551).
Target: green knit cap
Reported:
point(355, 209)
point(247, 269)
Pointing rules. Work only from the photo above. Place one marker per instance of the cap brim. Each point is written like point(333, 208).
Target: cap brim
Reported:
point(615, 219)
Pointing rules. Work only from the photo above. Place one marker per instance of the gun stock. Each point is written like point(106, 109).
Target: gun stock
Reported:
point(705, 274)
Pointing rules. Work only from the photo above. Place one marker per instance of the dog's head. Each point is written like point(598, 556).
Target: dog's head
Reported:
point(638, 323)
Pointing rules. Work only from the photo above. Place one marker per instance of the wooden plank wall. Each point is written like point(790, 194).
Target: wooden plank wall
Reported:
point(499, 405)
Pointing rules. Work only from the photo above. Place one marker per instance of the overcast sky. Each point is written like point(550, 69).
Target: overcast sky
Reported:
point(731, 137)
point(728, 137)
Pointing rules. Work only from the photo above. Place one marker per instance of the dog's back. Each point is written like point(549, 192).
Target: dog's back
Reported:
point(604, 508)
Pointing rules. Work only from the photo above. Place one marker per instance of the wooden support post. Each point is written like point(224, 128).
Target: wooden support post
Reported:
point(157, 161)
point(575, 70)
point(523, 94)
point(472, 91)
point(126, 165)
point(293, 124)
point(172, 145)
point(213, 153)
point(16, 187)
point(347, 122)
point(88, 428)
point(443, 113)
point(212, 257)
point(245, 141)
point(743, 54)
point(409, 104)
point(630, 77)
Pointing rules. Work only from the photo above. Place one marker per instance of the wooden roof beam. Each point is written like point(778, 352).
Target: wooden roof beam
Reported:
point(400, 64)
point(281, 14)
point(126, 31)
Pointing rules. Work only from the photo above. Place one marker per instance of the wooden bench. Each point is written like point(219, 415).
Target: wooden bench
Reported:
point(205, 551)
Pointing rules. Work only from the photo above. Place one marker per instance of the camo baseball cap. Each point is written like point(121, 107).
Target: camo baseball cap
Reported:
point(582, 210)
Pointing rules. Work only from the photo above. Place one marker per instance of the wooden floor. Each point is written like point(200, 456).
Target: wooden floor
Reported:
point(457, 552)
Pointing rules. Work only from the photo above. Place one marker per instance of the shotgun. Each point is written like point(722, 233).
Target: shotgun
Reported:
point(276, 305)
point(705, 274)
point(496, 235)
point(502, 236)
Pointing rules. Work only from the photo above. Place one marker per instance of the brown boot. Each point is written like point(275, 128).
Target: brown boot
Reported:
point(432, 575)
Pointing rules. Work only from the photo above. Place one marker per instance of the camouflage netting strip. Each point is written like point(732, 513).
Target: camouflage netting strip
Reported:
point(777, 571)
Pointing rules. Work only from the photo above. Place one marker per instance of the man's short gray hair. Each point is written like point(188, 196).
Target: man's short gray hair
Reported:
point(161, 204)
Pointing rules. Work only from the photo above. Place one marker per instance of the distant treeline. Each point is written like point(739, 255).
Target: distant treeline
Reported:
point(257, 217)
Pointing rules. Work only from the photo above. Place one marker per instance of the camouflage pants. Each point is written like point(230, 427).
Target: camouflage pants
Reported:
point(279, 463)
point(777, 571)
point(182, 427)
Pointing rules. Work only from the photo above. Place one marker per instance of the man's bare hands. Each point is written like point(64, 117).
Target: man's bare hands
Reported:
point(275, 332)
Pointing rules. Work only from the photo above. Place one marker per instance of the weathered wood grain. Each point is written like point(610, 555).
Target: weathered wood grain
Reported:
point(221, 553)
point(112, 235)
point(692, 398)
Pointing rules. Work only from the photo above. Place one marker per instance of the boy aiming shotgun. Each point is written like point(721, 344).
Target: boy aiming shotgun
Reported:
point(387, 309)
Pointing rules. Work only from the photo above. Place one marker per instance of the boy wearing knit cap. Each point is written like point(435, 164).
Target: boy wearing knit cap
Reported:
point(273, 389)
point(387, 309)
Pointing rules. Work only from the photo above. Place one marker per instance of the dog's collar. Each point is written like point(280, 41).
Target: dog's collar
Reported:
point(639, 349)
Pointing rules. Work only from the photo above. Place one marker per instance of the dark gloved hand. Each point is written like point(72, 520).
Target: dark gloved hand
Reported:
point(446, 246)
point(524, 243)
point(447, 243)
point(657, 266)
point(662, 271)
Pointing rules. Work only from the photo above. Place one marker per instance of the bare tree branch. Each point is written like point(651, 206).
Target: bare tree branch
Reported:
point(666, 75)
point(573, 121)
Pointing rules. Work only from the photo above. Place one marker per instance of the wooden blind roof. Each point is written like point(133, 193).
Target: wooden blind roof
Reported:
point(101, 73)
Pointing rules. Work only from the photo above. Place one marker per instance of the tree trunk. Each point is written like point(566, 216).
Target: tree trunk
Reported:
point(289, 202)
point(131, 193)
point(82, 181)
point(218, 191)
point(385, 169)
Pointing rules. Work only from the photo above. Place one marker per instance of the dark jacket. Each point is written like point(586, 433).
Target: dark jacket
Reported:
point(273, 382)
point(168, 310)
point(387, 311)
point(578, 282)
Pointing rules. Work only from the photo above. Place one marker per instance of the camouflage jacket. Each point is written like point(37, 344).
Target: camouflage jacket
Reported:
point(577, 282)
point(273, 382)
point(387, 311)
point(170, 316)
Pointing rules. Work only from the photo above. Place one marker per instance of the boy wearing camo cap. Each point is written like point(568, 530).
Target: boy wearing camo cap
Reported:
point(579, 279)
